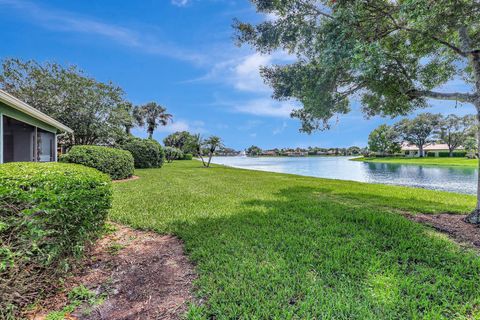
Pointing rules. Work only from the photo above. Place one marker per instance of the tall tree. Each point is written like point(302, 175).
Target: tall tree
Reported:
point(354, 150)
point(131, 116)
point(93, 109)
point(211, 144)
point(197, 147)
point(253, 151)
point(455, 130)
point(419, 130)
point(384, 140)
point(153, 115)
point(471, 146)
point(182, 140)
point(393, 54)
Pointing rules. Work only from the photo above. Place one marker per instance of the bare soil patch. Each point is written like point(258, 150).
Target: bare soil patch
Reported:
point(143, 275)
point(452, 224)
point(128, 179)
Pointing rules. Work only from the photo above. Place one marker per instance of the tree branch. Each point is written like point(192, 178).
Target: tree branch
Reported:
point(316, 10)
point(456, 96)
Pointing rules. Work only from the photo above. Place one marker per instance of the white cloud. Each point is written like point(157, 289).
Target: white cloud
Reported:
point(65, 21)
point(180, 3)
point(183, 125)
point(265, 107)
point(246, 74)
point(243, 73)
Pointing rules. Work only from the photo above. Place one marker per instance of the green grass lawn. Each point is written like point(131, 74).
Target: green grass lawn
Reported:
point(430, 161)
point(278, 246)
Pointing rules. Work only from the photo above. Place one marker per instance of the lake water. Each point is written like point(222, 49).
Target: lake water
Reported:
point(461, 180)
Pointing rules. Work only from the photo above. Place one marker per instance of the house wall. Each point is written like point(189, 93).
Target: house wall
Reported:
point(415, 154)
point(20, 116)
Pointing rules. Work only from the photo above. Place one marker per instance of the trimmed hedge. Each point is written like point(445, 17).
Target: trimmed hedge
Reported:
point(147, 153)
point(48, 213)
point(456, 154)
point(117, 163)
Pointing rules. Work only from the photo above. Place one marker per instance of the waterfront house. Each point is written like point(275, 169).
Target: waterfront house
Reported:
point(27, 134)
point(269, 153)
point(432, 149)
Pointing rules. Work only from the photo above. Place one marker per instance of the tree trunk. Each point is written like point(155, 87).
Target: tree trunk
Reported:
point(209, 159)
point(474, 216)
point(420, 151)
point(201, 157)
point(450, 154)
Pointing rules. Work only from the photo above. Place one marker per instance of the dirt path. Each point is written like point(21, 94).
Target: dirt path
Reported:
point(452, 224)
point(143, 275)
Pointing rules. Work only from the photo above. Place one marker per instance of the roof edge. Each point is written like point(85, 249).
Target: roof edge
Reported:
point(18, 104)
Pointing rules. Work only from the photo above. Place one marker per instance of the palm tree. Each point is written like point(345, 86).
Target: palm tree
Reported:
point(138, 116)
point(211, 144)
point(196, 145)
point(132, 116)
point(153, 115)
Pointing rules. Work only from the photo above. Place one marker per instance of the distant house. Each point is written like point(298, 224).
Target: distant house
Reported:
point(297, 153)
point(269, 153)
point(411, 150)
point(27, 134)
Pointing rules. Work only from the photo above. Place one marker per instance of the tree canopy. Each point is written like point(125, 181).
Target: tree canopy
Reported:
point(419, 130)
point(182, 140)
point(454, 130)
point(93, 109)
point(152, 115)
point(384, 140)
point(391, 55)
point(253, 151)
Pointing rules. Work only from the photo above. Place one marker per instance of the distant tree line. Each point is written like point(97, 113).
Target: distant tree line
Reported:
point(254, 151)
point(425, 129)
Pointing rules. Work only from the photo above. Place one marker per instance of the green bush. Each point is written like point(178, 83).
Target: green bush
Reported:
point(456, 154)
point(147, 153)
point(48, 213)
point(430, 154)
point(118, 164)
point(172, 153)
point(187, 156)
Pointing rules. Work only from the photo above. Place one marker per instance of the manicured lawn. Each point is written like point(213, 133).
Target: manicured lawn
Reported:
point(430, 161)
point(270, 245)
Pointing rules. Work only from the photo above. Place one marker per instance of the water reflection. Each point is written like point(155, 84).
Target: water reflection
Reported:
point(462, 180)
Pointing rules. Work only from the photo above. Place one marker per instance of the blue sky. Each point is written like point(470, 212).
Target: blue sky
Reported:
point(181, 54)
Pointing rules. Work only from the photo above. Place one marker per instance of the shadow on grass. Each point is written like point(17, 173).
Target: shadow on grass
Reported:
point(301, 255)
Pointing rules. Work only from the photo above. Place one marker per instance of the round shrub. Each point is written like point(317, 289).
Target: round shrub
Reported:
point(172, 153)
point(48, 212)
point(117, 163)
point(147, 153)
point(187, 156)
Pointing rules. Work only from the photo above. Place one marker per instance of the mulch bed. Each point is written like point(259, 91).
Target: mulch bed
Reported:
point(128, 179)
point(452, 224)
point(143, 274)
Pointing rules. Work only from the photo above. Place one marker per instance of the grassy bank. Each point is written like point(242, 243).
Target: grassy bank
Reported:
point(270, 245)
point(430, 161)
